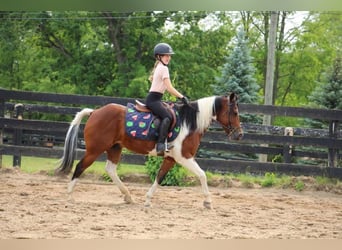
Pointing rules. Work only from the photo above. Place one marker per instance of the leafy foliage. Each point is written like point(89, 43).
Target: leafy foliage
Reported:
point(269, 180)
point(110, 53)
point(308, 56)
point(175, 177)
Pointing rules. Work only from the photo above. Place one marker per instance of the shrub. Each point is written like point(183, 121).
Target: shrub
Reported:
point(247, 180)
point(299, 186)
point(175, 177)
point(269, 180)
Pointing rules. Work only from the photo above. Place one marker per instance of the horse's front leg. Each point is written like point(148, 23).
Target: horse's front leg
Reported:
point(192, 166)
point(166, 165)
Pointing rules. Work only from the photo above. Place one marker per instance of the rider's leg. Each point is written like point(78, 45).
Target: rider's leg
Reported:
point(163, 132)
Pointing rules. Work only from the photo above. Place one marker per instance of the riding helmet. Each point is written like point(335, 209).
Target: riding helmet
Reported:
point(163, 49)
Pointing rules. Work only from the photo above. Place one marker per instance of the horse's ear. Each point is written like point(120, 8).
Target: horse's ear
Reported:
point(232, 97)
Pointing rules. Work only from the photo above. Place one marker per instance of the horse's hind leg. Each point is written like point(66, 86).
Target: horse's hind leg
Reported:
point(167, 164)
point(82, 165)
point(113, 155)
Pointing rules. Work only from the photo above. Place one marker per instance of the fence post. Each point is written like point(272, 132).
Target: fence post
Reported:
point(287, 149)
point(333, 152)
point(18, 113)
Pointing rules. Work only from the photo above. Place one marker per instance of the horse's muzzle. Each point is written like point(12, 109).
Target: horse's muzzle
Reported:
point(236, 134)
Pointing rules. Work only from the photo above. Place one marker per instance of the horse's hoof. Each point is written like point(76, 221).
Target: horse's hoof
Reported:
point(207, 205)
point(147, 208)
point(71, 199)
point(128, 199)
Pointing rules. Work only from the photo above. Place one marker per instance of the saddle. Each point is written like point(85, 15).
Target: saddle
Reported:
point(139, 106)
point(142, 124)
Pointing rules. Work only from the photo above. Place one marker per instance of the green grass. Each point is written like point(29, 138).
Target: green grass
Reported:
point(249, 180)
point(299, 186)
point(277, 181)
point(35, 164)
point(31, 164)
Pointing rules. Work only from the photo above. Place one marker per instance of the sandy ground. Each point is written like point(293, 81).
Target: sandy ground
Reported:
point(35, 206)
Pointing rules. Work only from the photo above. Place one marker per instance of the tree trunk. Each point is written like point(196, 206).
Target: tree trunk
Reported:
point(115, 32)
point(279, 49)
point(117, 37)
point(266, 34)
point(53, 41)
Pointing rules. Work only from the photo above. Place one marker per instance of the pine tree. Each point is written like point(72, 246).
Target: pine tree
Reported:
point(328, 93)
point(238, 75)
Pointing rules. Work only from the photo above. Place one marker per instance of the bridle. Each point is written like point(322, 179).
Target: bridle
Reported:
point(231, 130)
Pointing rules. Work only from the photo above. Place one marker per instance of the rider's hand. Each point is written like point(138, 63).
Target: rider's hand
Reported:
point(185, 100)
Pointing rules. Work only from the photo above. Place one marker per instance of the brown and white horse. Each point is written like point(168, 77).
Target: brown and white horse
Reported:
point(105, 132)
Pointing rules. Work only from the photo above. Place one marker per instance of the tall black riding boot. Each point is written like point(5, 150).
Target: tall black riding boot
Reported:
point(163, 132)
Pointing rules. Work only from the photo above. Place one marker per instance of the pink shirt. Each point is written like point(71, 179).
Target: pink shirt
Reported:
point(160, 73)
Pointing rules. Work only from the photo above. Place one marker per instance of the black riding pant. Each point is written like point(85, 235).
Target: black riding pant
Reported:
point(154, 103)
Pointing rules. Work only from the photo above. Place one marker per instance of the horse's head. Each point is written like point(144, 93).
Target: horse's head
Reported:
point(227, 114)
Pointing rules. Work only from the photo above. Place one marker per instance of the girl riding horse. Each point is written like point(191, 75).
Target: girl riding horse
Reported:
point(160, 79)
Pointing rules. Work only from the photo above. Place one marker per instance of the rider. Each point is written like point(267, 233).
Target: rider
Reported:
point(160, 79)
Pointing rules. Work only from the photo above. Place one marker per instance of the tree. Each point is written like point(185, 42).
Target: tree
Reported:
point(132, 37)
point(328, 93)
point(10, 51)
point(238, 74)
point(78, 59)
point(199, 51)
point(110, 53)
point(307, 56)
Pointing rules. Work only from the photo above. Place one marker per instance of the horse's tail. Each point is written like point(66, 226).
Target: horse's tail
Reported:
point(70, 144)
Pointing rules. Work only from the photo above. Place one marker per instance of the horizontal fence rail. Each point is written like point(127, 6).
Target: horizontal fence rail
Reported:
point(309, 151)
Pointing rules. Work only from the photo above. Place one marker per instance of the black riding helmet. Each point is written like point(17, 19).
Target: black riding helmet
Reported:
point(162, 49)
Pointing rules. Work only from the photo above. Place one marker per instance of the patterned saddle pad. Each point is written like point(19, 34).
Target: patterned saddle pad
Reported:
point(145, 125)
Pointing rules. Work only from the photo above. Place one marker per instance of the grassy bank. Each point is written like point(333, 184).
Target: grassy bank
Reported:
point(48, 165)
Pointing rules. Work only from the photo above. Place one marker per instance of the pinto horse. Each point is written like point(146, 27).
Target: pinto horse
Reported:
point(105, 132)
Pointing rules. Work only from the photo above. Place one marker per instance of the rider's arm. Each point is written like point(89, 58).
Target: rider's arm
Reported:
point(171, 89)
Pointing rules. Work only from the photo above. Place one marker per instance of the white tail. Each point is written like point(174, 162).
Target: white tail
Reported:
point(70, 144)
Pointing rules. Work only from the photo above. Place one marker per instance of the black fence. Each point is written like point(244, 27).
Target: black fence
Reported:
point(29, 127)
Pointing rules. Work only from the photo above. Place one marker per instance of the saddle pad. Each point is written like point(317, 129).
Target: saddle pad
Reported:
point(143, 125)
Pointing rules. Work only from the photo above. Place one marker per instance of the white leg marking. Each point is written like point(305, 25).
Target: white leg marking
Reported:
point(192, 166)
point(111, 170)
point(150, 193)
point(71, 187)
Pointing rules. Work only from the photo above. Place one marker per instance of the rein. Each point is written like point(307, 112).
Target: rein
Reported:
point(229, 126)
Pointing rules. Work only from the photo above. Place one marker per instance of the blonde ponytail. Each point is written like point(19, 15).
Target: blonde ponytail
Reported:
point(152, 71)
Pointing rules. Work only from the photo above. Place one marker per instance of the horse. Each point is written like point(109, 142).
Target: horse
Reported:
point(104, 131)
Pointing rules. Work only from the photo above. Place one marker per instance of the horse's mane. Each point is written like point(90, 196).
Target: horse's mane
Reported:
point(198, 115)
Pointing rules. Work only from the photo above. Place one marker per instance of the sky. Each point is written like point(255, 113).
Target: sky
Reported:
point(210, 22)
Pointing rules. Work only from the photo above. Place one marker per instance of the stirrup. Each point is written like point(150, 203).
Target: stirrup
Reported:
point(166, 147)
